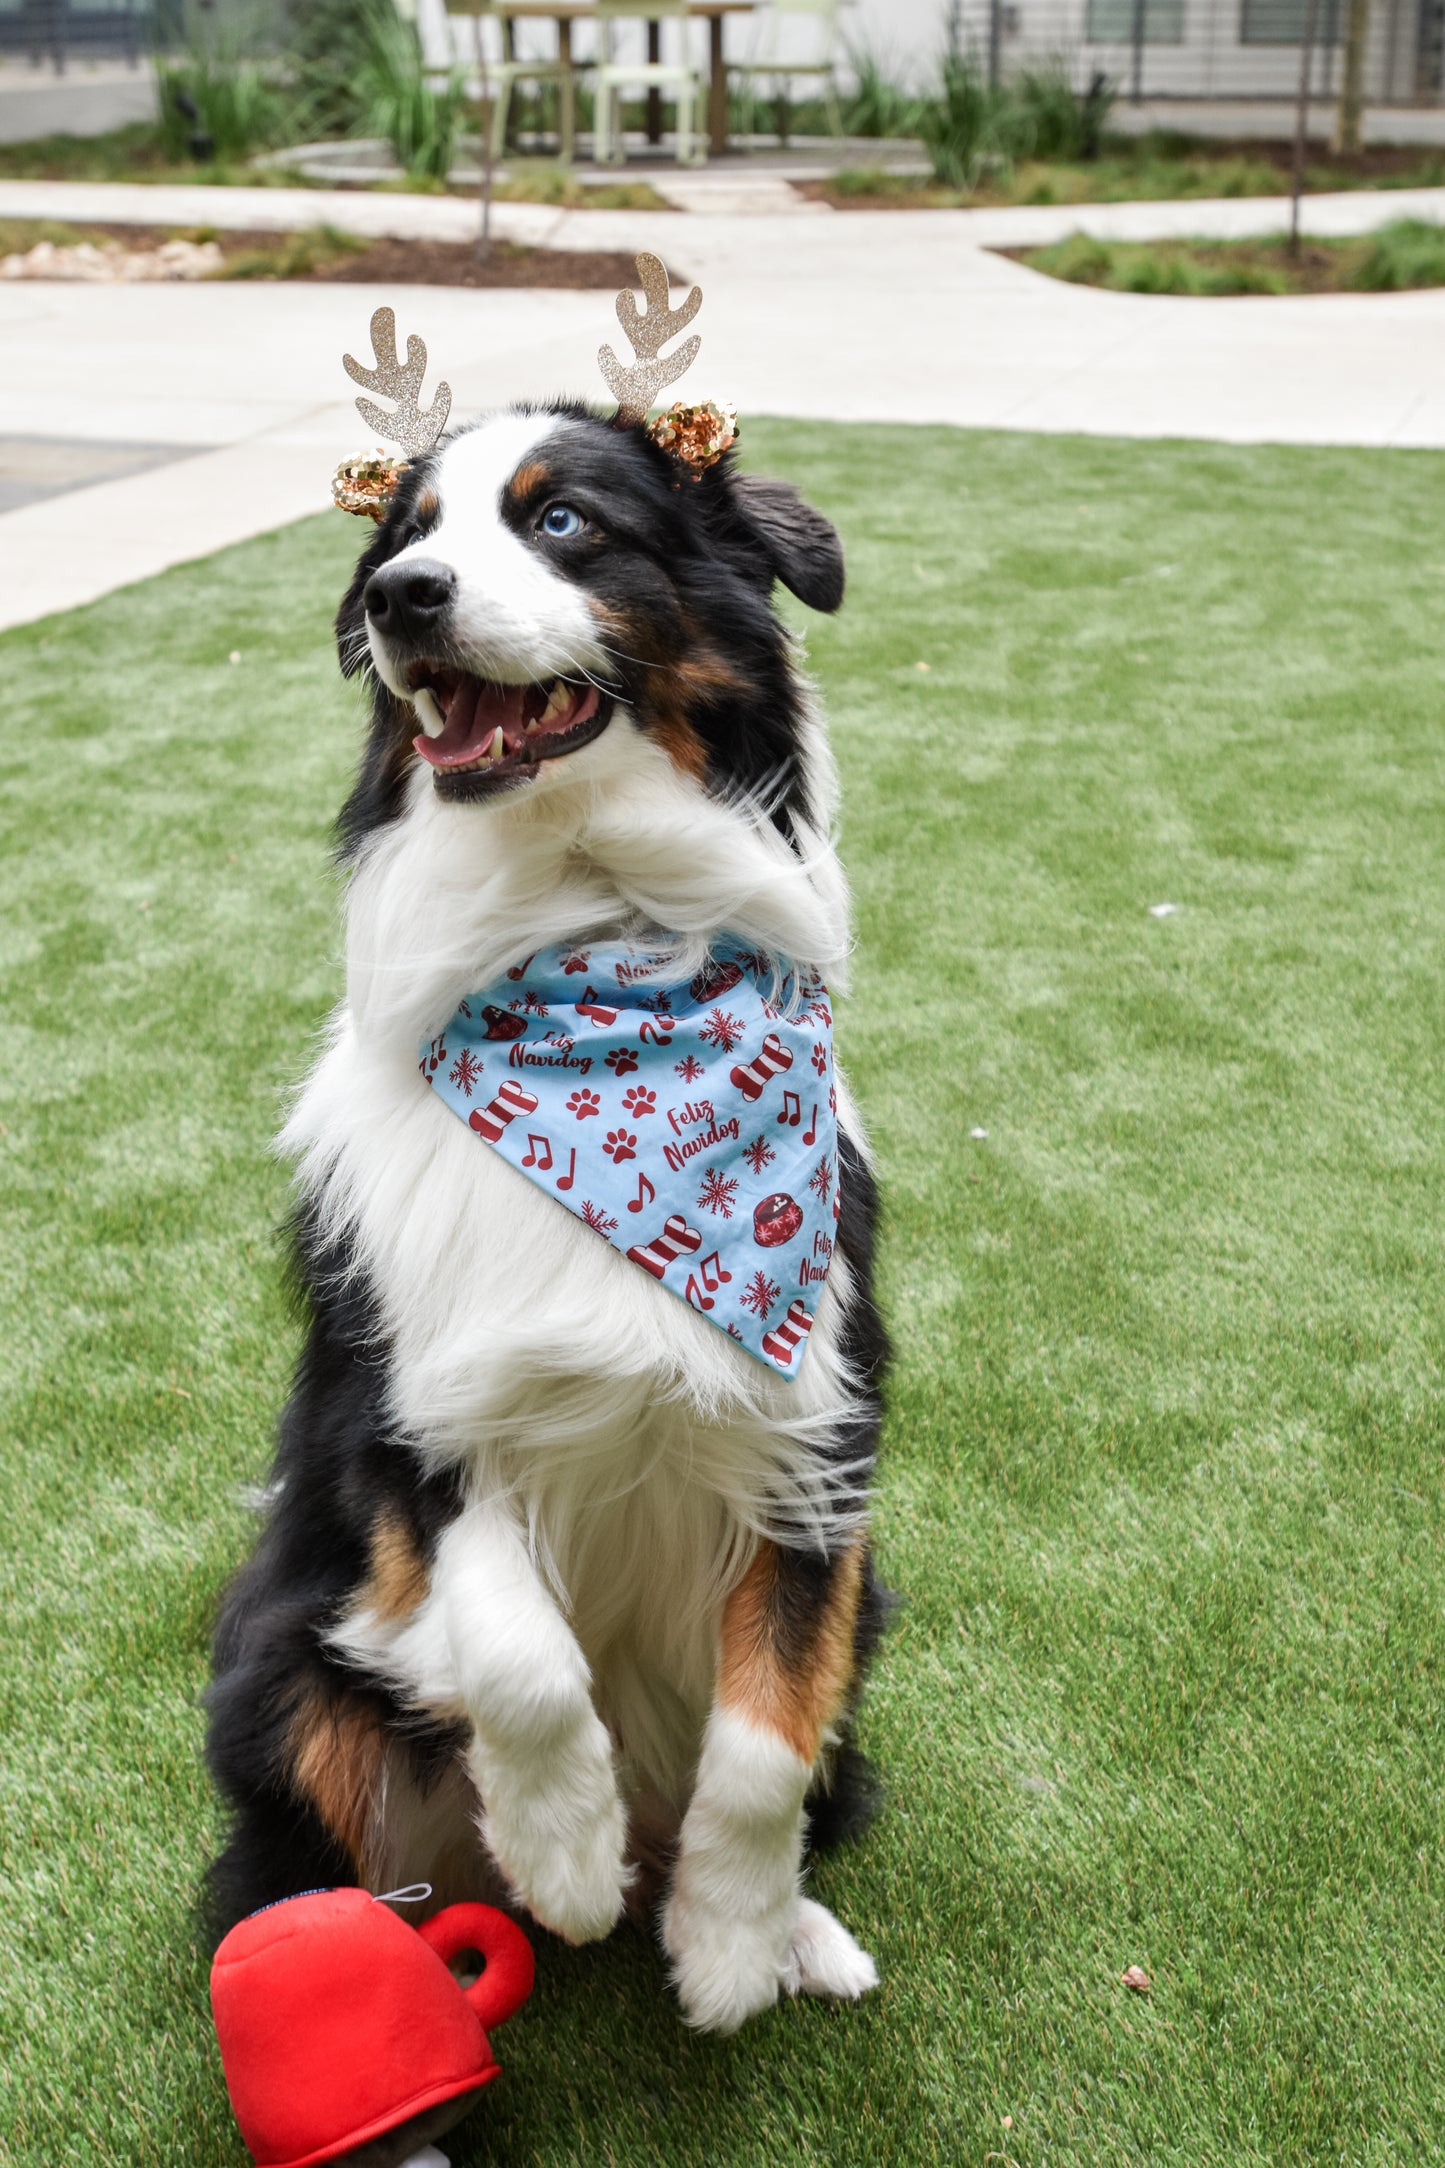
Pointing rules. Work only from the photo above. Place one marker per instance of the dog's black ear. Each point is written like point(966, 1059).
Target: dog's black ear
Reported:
point(803, 549)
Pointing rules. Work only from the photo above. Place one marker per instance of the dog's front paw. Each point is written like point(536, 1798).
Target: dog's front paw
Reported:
point(824, 1959)
point(725, 1968)
point(559, 1835)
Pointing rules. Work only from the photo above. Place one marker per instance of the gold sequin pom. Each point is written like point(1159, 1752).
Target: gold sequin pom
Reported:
point(697, 435)
point(366, 486)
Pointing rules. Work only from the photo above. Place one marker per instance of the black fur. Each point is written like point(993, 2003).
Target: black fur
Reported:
point(339, 1467)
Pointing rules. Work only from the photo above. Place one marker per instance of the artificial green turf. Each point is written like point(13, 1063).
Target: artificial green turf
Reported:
point(1162, 1480)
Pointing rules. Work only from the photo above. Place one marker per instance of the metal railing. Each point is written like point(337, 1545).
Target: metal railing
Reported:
point(1224, 51)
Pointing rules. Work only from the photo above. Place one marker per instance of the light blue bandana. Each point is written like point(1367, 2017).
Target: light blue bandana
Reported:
point(693, 1127)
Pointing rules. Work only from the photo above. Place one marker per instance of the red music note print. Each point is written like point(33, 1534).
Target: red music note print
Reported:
point(713, 1275)
point(565, 1181)
point(792, 1112)
point(810, 1134)
point(695, 1295)
point(646, 1195)
point(532, 1158)
point(519, 971)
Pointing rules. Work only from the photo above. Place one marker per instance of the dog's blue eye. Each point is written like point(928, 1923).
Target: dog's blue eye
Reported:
point(560, 519)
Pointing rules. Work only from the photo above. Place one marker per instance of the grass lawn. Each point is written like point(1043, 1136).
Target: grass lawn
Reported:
point(1406, 253)
point(1162, 1485)
point(1130, 169)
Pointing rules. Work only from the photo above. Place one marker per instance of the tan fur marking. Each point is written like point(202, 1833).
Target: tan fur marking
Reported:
point(681, 743)
point(428, 504)
point(754, 1678)
point(533, 476)
point(337, 1753)
point(399, 1578)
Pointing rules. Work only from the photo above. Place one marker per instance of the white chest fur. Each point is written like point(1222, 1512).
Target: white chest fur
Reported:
point(640, 1448)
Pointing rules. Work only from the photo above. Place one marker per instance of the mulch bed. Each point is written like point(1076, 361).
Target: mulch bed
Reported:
point(455, 263)
point(418, 263)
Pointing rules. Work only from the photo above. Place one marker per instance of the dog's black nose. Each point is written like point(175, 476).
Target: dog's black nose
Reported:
point(408, 597)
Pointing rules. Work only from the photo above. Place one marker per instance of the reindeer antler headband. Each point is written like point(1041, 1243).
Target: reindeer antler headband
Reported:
point(696, 435)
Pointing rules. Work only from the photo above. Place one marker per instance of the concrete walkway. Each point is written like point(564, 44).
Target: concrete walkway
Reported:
point(890, 316)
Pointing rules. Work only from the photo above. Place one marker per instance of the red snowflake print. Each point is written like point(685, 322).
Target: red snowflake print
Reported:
point(689, 1068)
point(820, 1181)
point(597, 1219)
point(621, 1061)
point(759, 1295)
point(638, 1100)
point(759, 1154)
point(465, 1070)
point(531, 1003)
point(717, 1192)
point(575, 960)
point(734, 1333)
point(584, 1103)
point(660, 1004)
point(722, 1029)
point(619, 1144)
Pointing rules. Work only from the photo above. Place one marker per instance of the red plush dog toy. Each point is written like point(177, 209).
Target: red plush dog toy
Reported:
point(344, 2036)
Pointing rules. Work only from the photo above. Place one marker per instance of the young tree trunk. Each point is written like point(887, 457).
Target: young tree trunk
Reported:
point(484, 235)
point(1301, 123)
point(1352, 82)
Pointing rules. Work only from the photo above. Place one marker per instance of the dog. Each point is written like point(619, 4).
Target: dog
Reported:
point(560, 1595)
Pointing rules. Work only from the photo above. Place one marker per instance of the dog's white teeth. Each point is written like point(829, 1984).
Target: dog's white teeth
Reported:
point(556, 701)
point(497, 747)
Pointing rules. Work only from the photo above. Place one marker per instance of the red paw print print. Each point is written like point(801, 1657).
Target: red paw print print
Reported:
point(639, 1101)
point(622, 1061)
point(820, 1057)
point(584, 1103)
point(620, 1144)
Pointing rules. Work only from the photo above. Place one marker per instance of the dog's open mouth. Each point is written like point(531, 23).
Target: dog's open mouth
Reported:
point(494, 735)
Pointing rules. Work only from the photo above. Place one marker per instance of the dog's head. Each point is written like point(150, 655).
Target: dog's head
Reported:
point(547, 571)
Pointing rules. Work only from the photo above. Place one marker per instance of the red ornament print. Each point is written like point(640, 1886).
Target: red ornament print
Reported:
point(776, 1220)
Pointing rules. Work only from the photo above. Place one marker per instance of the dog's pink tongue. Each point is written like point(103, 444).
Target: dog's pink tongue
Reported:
point(475, 713)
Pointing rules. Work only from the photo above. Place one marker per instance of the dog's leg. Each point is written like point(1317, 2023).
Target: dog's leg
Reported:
point(540, 1756)
point(736, 1926)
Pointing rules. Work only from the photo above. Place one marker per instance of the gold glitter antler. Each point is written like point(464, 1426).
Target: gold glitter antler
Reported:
point(635, 389)
point(414, 430)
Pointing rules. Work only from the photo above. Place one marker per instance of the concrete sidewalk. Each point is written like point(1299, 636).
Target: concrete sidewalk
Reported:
point(856, 316)
point(710, 195)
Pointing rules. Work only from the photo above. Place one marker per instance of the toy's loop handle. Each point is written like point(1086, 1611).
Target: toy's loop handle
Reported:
point(507, 1981)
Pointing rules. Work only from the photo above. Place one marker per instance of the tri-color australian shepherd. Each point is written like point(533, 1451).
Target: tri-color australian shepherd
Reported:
point(562, 1598)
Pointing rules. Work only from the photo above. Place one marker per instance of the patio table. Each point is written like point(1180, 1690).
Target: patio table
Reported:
point(564, 13)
